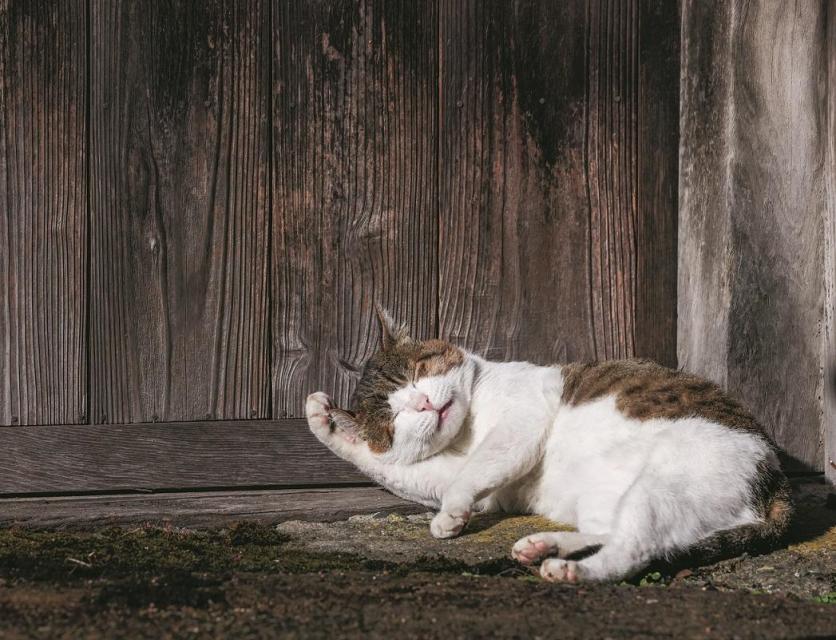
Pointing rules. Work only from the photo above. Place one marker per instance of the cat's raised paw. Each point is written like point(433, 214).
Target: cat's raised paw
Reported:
point(448, 525)
point(317, 409)
point(559, 570)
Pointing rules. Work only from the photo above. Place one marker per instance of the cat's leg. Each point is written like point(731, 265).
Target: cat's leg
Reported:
point(421, 482)
point(615, 561)
point(343, 443)
point(641, 520)
point(510, 450)
point(554, 543)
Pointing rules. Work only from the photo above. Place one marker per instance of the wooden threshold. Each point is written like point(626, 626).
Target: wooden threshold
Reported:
point(160, 456)
point(201, 509)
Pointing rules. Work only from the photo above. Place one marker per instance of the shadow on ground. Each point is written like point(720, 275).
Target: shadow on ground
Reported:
point(381, 575)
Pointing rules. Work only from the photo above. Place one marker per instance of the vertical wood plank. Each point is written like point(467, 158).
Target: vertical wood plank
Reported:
point(751, 248)
point(354, 176)
point(657, 169)
point(829, 333)
point(43, 218)
point(703, 291)
point(179, 200)
point(558, 178)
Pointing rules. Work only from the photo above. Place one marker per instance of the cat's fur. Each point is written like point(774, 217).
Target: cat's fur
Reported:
point(646, 462)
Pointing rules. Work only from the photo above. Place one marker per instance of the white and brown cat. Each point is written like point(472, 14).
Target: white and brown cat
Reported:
point(646, 462)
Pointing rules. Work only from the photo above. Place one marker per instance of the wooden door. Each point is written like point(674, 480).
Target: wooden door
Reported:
point(202, 201)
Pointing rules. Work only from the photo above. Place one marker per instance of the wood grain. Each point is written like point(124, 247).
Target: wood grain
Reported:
point(354, 180)
point(43, 218)
point(201, 509)
point(829, 332)
point(548, 190)
point(751, 251)
point(657, 174)
point(172, 456)
point(179, 211)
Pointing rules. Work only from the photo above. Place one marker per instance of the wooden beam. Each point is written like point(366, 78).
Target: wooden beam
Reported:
point(201, 509)
point(195, 455)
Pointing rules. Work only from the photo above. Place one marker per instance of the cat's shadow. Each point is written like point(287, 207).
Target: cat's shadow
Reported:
point(483, 521)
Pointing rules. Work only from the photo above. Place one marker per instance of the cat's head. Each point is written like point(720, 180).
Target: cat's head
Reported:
point(410, 401)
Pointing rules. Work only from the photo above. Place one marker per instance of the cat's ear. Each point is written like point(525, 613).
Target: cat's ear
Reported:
point(346, 422)
point(391, 333)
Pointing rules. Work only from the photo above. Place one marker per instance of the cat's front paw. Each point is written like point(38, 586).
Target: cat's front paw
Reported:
point(448, 525)
point(318, 410)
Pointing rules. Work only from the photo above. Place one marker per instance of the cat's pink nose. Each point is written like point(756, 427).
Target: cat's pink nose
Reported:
point(423, 403)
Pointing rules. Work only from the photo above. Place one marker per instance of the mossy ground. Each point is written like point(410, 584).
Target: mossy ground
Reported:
point(383, 575)
point(167, 566)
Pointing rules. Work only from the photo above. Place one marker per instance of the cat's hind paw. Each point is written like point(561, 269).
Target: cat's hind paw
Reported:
point(559, 570)
point(531, 548)
point(562, 544)
point(448, 525)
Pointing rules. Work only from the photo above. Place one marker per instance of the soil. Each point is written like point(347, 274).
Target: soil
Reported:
point(383, 575)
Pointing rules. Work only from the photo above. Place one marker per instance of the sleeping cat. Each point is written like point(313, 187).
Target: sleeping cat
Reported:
point(646, 462)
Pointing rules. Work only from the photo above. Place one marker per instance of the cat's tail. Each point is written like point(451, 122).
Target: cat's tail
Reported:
point(776, 510)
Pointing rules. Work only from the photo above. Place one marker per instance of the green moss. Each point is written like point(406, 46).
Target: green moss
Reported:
point(653, 579)
point(826, 598)
point(251, 533)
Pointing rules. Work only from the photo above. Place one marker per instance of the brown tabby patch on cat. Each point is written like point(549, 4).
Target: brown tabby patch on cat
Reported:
point(387, 371)
point(437, 358)
point(645, 390)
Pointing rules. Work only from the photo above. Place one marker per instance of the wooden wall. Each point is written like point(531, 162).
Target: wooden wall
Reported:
point(178, 211)
point(757, 212)
point(200, 203)
point(558, 138)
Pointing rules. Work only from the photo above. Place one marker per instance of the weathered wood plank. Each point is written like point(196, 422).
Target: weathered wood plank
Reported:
point(354, 179)
point(657, 175)
point(829, 333)
point(171, 456)
point(751, 209)
point(557, 161)
point(204, 509)
point(178, 202)
point(43, 217)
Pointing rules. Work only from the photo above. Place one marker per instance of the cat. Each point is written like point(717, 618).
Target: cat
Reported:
point(647, 463)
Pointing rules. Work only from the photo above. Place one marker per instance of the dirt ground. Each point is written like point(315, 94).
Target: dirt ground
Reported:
point(383, 575)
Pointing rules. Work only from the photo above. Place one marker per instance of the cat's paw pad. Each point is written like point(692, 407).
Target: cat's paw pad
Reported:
point(558, 570)
point(531, 548)
point(448, 525)
point(317, 410)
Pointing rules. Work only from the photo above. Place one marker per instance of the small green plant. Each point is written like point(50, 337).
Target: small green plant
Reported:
point(826, 598)
point(651, 580)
